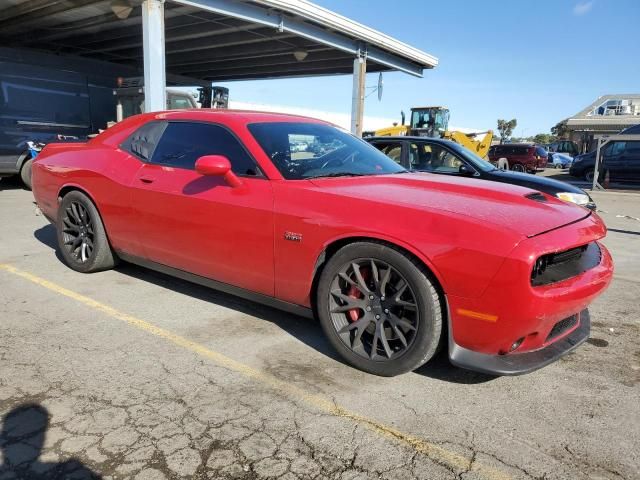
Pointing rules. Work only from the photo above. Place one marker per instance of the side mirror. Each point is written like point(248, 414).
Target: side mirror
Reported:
point(465, 170)
point(217, 166)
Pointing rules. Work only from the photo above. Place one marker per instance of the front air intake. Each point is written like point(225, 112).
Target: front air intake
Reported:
point(559, 266)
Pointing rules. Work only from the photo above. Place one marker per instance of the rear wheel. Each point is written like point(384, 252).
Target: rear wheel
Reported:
point(588, 175)
point(503, 164)
point(81, 235)
point(25, 173)
point(518, 167)
point(379, 309)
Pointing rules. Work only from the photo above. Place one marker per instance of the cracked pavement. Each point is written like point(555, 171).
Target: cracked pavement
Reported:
point(85, 395)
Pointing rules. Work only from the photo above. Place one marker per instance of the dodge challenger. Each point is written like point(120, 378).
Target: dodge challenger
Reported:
point(300, 215)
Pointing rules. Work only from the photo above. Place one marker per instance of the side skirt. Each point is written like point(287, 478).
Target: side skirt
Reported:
point(223, 287)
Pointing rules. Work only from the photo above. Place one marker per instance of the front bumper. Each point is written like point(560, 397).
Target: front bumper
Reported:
point(512, 311)
point(521, 363)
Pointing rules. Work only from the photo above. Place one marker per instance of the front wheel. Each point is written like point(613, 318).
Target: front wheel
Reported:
point(81, 235)
point(379, 309)
point(518, 167)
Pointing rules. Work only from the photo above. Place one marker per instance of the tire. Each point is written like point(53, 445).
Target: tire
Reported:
point(518, 167)
point(25, 173)
point(79, 223)
point(588, 174)
point(410, 319)
point(503, 164)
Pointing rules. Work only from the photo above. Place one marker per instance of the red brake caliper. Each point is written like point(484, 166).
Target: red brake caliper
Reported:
point(354, 313)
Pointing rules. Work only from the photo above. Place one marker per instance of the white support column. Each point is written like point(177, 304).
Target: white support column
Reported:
point(153, 52)
point(357, 98)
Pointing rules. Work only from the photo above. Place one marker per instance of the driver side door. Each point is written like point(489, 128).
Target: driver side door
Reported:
point(200, 224)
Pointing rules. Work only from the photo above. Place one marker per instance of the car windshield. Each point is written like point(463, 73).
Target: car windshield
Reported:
point(311, 150)
point(468, 155)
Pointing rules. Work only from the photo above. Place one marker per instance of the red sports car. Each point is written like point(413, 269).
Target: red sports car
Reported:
point(298, 214)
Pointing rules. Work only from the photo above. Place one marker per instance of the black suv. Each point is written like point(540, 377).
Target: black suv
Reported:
point(621, 160)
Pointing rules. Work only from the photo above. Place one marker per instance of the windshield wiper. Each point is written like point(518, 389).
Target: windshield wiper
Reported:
point(337, 174)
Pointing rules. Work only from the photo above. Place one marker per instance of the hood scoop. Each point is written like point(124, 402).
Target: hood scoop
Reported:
point(536, 196)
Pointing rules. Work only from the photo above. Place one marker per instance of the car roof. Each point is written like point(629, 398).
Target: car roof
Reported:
point(631, 130)
point(409, 137)
point(246, 116)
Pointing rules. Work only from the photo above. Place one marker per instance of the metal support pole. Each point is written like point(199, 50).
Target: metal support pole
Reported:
point(153, 51)
point(357, 97)
point(596, 170)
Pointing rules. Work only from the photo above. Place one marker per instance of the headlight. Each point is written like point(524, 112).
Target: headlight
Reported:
point(579, 198)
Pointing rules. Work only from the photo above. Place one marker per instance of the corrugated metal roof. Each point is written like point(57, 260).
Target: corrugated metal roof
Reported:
point(211, 40)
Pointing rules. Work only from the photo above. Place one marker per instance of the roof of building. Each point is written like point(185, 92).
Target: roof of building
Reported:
point(211, 40)
point(608, 112)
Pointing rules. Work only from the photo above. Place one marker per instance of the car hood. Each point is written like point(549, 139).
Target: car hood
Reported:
point(509, 206)
point(535, 182)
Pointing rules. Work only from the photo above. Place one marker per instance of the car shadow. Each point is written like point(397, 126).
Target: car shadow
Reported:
point(21, 440)
point(306, 330)
point(440, 368)
point(10, 183)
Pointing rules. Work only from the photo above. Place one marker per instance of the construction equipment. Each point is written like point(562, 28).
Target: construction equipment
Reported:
point(130, 97)
point(434, 122)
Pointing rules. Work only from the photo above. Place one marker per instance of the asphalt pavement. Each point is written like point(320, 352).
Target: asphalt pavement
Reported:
point(134, 374)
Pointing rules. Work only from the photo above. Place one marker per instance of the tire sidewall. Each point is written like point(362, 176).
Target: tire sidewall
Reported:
point(102, 257)
point(25, 173)
point(428, 333)
point(588, 175)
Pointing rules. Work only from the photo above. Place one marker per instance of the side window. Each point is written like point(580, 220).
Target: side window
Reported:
point(182, 143)
point(143, 141)
point(633, 151)
point(617, 148)
point(177, 102)
point(433, 158)
point(393, 150)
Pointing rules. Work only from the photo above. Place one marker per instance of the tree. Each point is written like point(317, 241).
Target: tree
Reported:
point(543, 138)
point(560, 130)
point(506, 128)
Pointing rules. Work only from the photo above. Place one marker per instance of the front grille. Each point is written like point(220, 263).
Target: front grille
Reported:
point(562, 326)
point(555, 267)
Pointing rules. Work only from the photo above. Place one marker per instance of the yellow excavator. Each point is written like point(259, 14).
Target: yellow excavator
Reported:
point(434, 122)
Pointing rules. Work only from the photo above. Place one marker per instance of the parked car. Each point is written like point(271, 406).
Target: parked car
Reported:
point(45, 96)
point(443, 157)
point(520, 157)
point(563, 146)
point(559, 160)
point(391, 262)
point(620, 160)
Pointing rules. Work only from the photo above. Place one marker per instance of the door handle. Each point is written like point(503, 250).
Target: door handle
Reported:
point(147, 179)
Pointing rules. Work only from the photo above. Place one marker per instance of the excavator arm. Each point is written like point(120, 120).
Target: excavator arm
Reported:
point(479, 146)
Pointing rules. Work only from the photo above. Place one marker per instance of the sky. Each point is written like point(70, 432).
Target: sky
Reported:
point(537, 61)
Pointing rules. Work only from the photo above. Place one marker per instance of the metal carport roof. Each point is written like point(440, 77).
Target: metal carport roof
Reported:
point(212, 40)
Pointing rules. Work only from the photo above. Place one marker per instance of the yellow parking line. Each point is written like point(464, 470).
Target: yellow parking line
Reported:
point(435, 452)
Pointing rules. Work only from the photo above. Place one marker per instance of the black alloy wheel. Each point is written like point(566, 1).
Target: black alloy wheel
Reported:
point(518, 167)
point(82, 238)
point(379, 308)
point(77, 232)
point(373, 309)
